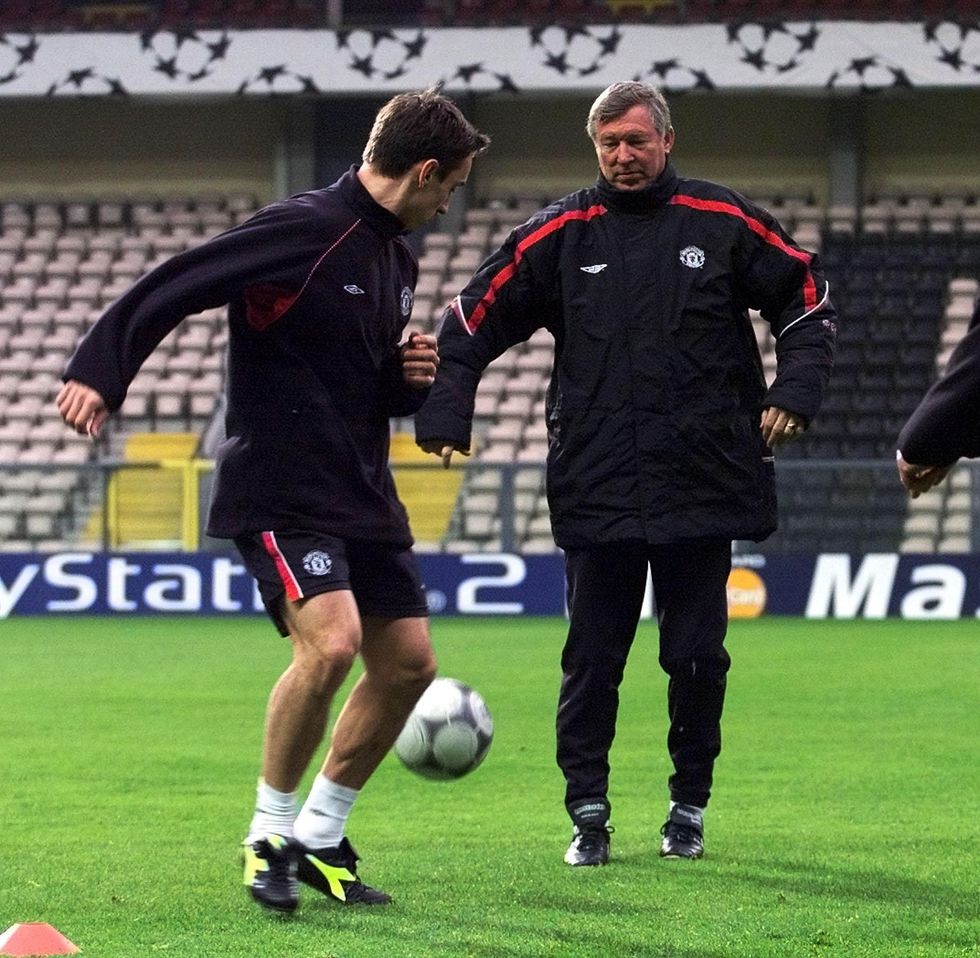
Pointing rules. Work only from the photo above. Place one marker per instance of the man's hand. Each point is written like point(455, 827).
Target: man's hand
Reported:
point(919, 479)
point(444, 449)
point(779, 426)
point(82, 408)
point(420, 360)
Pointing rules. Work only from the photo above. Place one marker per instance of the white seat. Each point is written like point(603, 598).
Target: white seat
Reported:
point(498, 450)
point(957, 524)
point(26, 408)
point(515, 406)
point(45, 385)
point(533, 450)
point(14, 431)
point(76, 454)
point(955, 543)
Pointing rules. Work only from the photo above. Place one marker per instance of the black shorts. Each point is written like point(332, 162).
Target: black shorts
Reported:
point(384, 578)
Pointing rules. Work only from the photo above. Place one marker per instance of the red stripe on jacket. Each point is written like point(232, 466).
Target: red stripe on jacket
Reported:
point(760, 229)
point(489, 297)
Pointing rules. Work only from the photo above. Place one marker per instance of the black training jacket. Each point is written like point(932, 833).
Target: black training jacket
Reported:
point(945, 425)
point(657, 390)
point(319, 288)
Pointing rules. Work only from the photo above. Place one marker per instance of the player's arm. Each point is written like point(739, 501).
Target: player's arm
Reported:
point(408, 372)
point(82, 408)
point(204, 277)
point(419, 360)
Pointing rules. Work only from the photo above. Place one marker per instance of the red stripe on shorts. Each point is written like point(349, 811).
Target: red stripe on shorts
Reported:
point(293, 591)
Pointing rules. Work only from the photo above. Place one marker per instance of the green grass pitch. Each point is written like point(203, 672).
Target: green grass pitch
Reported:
point(843, 822)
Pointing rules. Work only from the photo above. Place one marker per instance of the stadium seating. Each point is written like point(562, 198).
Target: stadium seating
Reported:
point(61, 264)
point(140, 15)
point(148, 15)
point(903, 272)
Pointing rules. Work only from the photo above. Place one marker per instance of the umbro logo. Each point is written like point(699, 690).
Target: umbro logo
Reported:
point(354, 289)
point(598, 268)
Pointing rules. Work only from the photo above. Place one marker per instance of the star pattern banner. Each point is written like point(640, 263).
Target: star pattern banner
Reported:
point(847, 55)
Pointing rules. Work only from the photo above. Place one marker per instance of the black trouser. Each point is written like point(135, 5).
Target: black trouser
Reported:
point(605, 596)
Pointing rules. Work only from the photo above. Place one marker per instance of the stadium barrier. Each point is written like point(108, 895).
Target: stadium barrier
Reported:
point(816, 586)
point(850, 545)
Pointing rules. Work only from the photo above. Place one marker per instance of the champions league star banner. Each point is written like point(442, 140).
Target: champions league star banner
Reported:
point(799, 54)
point(825, 586)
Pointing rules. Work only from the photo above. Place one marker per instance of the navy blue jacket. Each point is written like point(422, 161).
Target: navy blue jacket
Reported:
point(946, 424)
point(319, 289)
point(657, 389)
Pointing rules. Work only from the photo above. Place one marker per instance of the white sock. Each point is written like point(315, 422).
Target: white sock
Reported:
point(274, 814)
point(321, 821)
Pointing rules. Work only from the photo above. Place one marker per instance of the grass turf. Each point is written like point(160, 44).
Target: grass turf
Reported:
point(843, 821)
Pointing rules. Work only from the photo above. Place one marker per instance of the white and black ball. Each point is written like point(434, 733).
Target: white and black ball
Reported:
point(448, 733)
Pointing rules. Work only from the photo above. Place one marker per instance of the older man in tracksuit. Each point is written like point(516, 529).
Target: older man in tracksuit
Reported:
point(661, 427)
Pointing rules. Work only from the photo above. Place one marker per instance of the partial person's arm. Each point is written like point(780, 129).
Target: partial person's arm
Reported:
point(945, 426)
point(919, 479)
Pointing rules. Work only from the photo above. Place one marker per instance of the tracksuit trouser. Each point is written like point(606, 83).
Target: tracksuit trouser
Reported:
point(605, 590)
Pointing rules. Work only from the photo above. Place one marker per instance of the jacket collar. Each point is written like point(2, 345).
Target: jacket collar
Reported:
point(382, 221)
point(646, 200)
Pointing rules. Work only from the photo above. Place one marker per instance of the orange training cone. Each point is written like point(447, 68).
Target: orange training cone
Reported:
point(35, 938)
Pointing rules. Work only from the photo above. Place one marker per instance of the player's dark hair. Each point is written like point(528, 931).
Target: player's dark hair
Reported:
point(423, 125)
point(620, 98)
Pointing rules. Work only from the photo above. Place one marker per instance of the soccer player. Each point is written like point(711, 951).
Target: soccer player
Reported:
point(661, 427)
point(944, 426)
point(319, 290)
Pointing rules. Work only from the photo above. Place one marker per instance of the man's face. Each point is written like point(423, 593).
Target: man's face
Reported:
point(434, 194)
point(632, 154)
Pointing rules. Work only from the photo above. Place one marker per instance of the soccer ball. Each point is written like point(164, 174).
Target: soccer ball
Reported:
point(448, 733)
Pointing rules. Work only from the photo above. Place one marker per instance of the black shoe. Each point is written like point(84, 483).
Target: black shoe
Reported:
point(683, 833)
point(590, 832)
point(590, 845)
point(333, 871)
point(270, 873)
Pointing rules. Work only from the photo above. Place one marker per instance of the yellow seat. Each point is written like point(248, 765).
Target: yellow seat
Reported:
point(428, 491)
point(147, 506)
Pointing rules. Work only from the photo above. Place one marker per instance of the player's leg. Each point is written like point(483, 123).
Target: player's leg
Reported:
point(605, 594)
point(325, 633)
point(690, 590)
point(399, 664)
point(304, 582)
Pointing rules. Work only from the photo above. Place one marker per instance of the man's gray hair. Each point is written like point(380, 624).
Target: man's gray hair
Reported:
point(620, 98)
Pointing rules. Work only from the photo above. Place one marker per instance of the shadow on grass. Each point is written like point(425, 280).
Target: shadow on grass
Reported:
point(858, 885)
